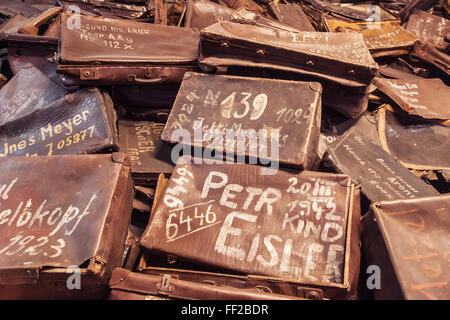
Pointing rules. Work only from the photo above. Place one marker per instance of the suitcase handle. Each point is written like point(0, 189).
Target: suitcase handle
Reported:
point(133, 78)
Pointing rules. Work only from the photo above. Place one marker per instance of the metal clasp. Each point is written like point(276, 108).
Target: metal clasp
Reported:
point(165, 287)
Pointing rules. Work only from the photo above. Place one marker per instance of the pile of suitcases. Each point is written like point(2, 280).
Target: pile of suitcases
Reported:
point(224, 149)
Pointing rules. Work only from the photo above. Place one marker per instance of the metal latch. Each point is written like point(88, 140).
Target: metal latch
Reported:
point(310, 293)
point(165, 287)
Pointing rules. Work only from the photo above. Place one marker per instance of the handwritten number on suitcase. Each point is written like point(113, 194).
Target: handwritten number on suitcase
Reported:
point(22, 243)
point(259, 106)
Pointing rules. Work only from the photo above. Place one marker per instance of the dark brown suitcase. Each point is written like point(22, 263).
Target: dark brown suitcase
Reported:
point(418, 145)
point(127, 285)
point(341, 59)
point(425, 98)
point(80, 122)
point(432, 57)
point(268, 120)
point(282, 242)
point(149, 156)
point(430, 27)
point(113, 52)
point(381, 177)
point(203, 13)
point(408, 241)
point(28, 91)
point(415, 5)
point(72, 211)
point(291, 14)
point(116, 10)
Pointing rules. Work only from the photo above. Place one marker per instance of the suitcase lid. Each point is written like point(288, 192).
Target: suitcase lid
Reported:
point(341, 57)
point(429, 27)
point(78, 123)
point(69, 211)
point(29, 90)
point(425, 98)
point(415, 233)
point(105, 40)
point(269, 113)
point(381, 177)
point(141, 140)
point(214, 215)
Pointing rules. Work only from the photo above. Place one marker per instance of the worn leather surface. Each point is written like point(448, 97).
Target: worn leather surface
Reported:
point(30, 90)
point(203, 13)
point(429, 27)
point(218, 103)
point(415, 235)
point(87, 221)
point(291, 14)
point(78, 123)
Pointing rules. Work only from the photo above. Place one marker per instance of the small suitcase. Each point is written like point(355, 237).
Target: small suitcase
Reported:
point(127, 285)
point(381, 177)
point(112, 52)
point(341, 59)
point(203, 13)
point(80, 122)
point(430, 27)
point(28, 91)
point(302, 237)
point(71, 219)
point(408, 241)
point(149, 156)
point(264, 119)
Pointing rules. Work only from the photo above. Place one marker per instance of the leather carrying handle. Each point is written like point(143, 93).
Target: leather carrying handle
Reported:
point(134, 78)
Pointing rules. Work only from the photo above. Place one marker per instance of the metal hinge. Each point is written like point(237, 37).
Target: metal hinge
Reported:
point(165, 287)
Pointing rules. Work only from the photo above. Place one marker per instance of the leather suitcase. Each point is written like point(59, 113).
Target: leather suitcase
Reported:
point(149, 156)
point(80, 122)
point(127, 285)
point(210, 109)
point(116, 10)
point(415, 5)
point(430, 27)
point(381, 177)
point(384, 38)
point(291, 14)
point(424, 98)
point(28, 91)
point(72, 211)
point(341, 59)
point(232, 232)
point(408, 240)
point(432, 57)
point(203, 13)
point(113, 52)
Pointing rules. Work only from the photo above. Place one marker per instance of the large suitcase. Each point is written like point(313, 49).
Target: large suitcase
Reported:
point(284, 231)
point(80, 122)
point(68, 218)
point(149, 156)
point(381, 177)
point(272, 121)
point(28, 91)
point(408, 241)
point(341, 59)
point(430, 27)
point(203, 13)
point(127, 285)
point(111, 52)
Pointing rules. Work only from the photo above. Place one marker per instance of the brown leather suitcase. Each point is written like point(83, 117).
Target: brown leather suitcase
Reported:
point(73, 211)
point(341, 59)
point(381, 177)
point(230, 231)
point(408, 241)
point(291, 14)
point(28, 91)
point(264, 119)
point(431, 57)
point(128, 285)
point(203, 13)
point(430, 27)
point(149, 156)
point(113, 52)
point(384, 38)
point(425, 98)
point(80, 122)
